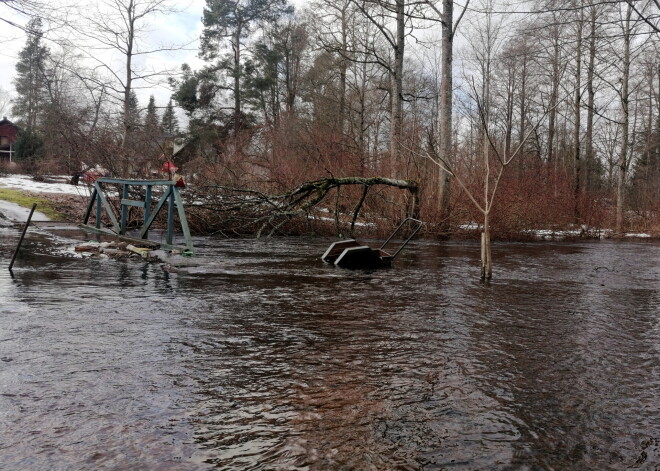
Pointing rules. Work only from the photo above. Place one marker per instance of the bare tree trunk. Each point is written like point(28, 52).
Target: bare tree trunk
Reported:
point(554, 96)
point(510, 89)
point(237, 82)
point(577, 109)
point(343, 67)
point(522, 128)
point(446, 96)
point(486, 254)
point(397, 85)
point(589, 137)
point(486, 263)
point(625, 123)
point(130, 37)
point(362, 113)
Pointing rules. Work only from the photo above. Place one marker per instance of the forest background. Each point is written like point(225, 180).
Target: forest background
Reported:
point(346, 116)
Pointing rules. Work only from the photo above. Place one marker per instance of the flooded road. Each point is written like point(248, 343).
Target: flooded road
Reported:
point(257, 356)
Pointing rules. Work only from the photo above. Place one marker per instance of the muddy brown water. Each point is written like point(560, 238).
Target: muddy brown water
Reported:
point(257, 356)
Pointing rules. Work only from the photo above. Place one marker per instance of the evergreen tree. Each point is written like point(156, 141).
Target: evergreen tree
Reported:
point(234, 21)
point(185, 93)
point(133, 122)
point(31, 78)
point(29, 147)
point(133, 116)
point(151, 126)
point(170, 123)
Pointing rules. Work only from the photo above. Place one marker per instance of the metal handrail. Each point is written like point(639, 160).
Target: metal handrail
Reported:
point(419, 226)
point(170, 197)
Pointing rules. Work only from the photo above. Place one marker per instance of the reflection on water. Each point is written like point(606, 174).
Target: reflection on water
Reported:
point(258, 356)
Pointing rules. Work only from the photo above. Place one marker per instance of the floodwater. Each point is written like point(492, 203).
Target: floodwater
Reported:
point(257, 356)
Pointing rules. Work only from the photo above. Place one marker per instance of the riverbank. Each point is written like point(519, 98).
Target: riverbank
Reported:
point(62, 201)
point(15, 204)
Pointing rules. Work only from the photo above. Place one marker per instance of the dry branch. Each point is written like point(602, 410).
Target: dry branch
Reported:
point(247, 210)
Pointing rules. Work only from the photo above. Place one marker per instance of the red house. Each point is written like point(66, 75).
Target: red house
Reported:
point(8, 136)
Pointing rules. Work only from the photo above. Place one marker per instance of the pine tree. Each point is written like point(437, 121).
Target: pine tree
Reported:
point(185, 90)
point(151, 126)
point(133, 122)
point(233, 21)
point(170, 123)
point(133, 115)
point(31, 78)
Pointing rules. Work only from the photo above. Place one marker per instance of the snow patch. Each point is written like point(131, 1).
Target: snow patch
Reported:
point(638, 235)
point(27, 183)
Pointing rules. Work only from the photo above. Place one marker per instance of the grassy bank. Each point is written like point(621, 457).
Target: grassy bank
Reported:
point(22, 199)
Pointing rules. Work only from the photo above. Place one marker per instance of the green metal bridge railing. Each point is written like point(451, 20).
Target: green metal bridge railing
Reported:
point(171, 196)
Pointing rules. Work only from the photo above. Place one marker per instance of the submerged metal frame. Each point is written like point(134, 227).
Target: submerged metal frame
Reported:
point(353, 254)
point(415, 231)
point(171, 196)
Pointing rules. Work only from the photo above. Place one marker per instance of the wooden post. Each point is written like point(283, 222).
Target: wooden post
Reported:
point(20, 240)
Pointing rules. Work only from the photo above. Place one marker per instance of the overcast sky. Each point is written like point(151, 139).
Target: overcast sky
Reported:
point(183, 27)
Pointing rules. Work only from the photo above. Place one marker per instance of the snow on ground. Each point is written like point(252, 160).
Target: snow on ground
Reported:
point(470, 226)
point(14, 212)
point(25, 182)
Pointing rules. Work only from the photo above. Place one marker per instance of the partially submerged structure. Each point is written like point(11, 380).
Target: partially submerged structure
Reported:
point(169, 196)
point(356, 255)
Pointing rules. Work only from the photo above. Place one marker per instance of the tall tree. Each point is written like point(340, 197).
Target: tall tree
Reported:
point(335, 33)
point(591, 98)
point(580, 22)
point(151, 121)
point(627, 29)
point(390, 18)
point(232, 21)
point(449, 28)
point(118, 26)
point(169, 122)
point(31, 78)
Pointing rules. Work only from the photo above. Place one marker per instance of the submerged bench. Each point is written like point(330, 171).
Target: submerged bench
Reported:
point(355, 255)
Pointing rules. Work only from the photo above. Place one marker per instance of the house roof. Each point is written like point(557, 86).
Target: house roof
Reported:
point(5, 121)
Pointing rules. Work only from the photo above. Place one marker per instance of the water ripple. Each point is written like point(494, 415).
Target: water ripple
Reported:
point(259, 357)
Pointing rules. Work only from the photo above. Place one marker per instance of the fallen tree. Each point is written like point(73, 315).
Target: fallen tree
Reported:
point(243, 210)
